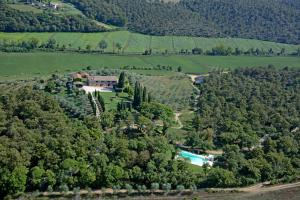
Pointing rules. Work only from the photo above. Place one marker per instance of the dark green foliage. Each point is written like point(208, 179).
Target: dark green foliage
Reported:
point(12, 20)
point(260, 19)
point(138, 95)
point(253, 115)
point(155, 110)
point(101, 101)
point(103, 11)
point(271, 20)
point(42, 149)
point(145, 95)
point(122, 79)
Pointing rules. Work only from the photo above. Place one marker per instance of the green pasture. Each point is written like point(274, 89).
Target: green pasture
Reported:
point(28, 65)
point(174, 90)
point(137, 43)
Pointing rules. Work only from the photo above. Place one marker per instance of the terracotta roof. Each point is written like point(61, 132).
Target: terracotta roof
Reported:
point(76, 75)
point(102, 78)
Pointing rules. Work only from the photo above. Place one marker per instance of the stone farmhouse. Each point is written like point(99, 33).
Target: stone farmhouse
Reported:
point(102, 81)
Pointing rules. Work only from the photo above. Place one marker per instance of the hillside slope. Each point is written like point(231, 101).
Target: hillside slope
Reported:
point(274, 20)
point(14, 20)
point(138, 43)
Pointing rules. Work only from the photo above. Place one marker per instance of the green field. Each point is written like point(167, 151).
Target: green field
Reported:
point(24, 65)
point(137, 43)
point(25, 8)
point(174, 90)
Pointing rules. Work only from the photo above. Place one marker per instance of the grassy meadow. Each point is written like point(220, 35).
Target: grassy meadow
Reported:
point(137, 43)
point(174, 90)
point(28, 65)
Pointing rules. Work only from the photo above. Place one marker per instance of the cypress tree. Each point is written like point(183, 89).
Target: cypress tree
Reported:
point(145, 95)
point(137, 97)
point(121, 82)
point(101, 102)
point(119, 106)
point(90, 97)
point(140, 94)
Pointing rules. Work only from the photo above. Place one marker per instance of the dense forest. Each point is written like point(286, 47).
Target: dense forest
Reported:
point(275, 20)
point(50, 140)
point(254, 116)
point(48, 144)
point(12, 20)
point(266, 20)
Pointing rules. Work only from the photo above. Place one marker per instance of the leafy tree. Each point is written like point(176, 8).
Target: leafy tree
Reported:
point(221, 178)
point(103, 45)
point(179, 69)
point(166, 187)
point(118, 46)
point(107, 119)
point(88, 47)
point(154, 187)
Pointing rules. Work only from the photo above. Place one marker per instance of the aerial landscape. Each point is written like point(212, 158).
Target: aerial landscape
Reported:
point(150, 99)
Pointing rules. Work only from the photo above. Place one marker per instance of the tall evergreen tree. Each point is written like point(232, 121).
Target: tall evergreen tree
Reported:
point(121, 82)
point(145, 95)
point(137, 98)
point(101, 102)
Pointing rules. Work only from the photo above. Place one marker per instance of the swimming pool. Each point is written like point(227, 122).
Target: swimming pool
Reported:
point(196, 159)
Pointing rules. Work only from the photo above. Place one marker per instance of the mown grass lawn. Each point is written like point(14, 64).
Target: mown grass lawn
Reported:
point(111, 99)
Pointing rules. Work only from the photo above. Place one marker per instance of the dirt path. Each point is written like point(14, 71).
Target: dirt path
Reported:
point(96, 106)
point(177, 119)
point(261, 188)
point(193, 77)
point(256, 189)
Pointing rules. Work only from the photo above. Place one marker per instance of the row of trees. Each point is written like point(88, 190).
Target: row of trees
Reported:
point(140, 95)
point(52, 44)
point(221, 50)
point(97, 102)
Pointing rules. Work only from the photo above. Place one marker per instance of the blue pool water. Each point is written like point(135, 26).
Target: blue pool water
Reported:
point(195, 159)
